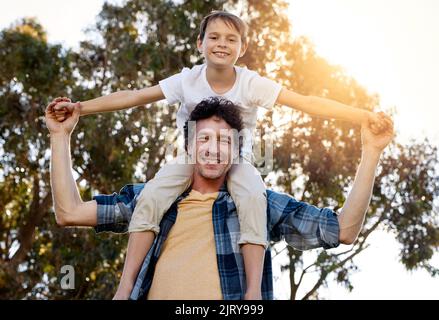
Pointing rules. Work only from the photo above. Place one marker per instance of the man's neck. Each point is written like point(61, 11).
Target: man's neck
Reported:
point(204, 185)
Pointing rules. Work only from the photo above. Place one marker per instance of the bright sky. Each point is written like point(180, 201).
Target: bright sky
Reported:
point(391, 47)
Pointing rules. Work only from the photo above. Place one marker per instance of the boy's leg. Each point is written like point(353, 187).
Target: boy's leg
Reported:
point(158, 195)
point(248, 191)
point(155, 199)
point(253, 255)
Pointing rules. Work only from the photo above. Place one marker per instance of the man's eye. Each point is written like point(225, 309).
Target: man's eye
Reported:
point(232, 40)
point(225, 140)
point(213, 38)
point(203, 138)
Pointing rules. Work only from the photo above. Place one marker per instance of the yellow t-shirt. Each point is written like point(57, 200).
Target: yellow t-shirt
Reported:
point(187, 268)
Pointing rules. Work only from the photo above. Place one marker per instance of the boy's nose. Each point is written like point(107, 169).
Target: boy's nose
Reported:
point(222, 43)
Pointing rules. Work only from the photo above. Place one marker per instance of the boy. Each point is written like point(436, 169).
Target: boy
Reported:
point(222, 41)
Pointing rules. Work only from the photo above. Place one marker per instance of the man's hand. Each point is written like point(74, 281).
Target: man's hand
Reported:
point(353, 213)
point(64, 109)
point(69, 121)
point(372, 141)
point(378, 122)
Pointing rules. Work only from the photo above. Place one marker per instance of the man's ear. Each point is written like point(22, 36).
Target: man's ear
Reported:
point(199, 44)
point(243, 49)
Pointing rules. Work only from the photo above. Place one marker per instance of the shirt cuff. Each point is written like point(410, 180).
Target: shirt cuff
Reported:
point(328, 231)
point(109, 215)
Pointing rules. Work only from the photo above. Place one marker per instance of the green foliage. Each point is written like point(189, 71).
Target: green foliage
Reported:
point(136, 45)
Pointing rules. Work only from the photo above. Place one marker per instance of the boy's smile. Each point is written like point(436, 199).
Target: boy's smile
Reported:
point(221, 54)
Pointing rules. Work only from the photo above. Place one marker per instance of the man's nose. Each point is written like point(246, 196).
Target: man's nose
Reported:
point(212, 147)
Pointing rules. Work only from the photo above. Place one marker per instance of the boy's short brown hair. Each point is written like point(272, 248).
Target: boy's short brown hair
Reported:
point(228, 18)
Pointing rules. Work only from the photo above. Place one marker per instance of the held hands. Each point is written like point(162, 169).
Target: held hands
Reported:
point(376, 142)
point(378, 122)
point(62, 108)
point(66, 122)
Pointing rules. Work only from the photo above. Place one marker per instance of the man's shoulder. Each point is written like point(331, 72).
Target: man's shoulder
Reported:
point(278, 194)
point(276, 200)
point(279, 200)
point(129, 192)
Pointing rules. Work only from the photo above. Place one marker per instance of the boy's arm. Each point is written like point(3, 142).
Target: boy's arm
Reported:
point(113, 102)
point(326, 108)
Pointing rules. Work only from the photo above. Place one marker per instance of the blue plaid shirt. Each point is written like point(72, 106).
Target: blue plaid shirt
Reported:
point(301, 225)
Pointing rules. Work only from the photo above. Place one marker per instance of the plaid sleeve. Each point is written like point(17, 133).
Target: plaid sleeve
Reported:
point(301, 225)
point(114, 211)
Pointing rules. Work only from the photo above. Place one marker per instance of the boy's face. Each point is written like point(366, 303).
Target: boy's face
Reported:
point(222, 45)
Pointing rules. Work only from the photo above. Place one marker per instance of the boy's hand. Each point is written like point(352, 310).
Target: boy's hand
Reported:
point(53, 103)
point(378, 122)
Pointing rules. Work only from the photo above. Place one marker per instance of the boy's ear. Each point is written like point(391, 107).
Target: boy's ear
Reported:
point(199, 43)
point(243, 49)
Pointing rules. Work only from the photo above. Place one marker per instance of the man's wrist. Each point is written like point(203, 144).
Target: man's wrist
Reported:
point(371, 152)
point(126, 285)
point(59, 135)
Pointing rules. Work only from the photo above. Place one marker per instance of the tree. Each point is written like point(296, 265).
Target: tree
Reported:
point(136, 45)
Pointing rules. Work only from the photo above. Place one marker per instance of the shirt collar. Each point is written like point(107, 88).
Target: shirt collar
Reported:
point(221, 191)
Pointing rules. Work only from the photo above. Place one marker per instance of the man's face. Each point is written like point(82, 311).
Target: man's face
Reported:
point(222, 45)
point(213, 147)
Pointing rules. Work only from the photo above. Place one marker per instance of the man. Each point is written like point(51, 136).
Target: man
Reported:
point(196, 254)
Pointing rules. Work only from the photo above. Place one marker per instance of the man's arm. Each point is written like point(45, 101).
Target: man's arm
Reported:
point(114, 210)
point(304, 226)
point(113, 102)
point(139, 243)
point(354, 210)
point(327, 108)
point(70, 210)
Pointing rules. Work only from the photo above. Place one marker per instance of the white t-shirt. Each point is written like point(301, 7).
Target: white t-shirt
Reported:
point(250, 91)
